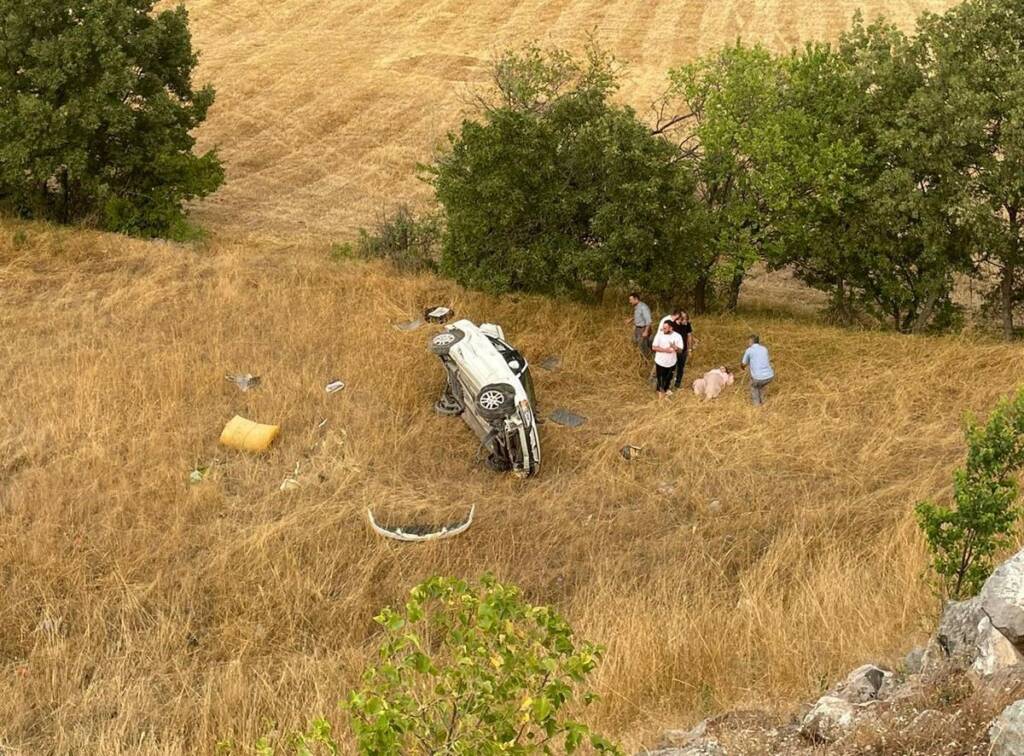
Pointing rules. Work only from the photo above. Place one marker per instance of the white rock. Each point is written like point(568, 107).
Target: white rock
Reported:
point(956, 638)
point(1002, 598)
point(864, 684)
point(914, 660)
point(995, 652)
point(1007, 731)
point(828, 720)
point(702, 747)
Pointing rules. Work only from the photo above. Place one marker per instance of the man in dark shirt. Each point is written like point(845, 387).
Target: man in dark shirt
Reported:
point(680, 324)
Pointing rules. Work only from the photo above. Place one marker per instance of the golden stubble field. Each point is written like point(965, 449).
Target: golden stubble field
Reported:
point(747, 559)
point(325, 108)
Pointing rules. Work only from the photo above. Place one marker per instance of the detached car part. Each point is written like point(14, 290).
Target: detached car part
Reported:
point(415, 533)
point(488, 384)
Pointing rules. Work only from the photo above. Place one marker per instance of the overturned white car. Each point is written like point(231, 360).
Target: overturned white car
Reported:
point(489, 385)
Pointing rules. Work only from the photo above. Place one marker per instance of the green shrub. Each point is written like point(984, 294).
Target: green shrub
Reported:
point(97, 107)
point(411, 243)
point(964, 537)
point(468, 669)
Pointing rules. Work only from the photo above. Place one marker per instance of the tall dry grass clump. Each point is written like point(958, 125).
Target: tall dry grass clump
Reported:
point(746, 557)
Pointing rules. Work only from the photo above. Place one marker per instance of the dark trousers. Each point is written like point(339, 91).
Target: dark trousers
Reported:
point(680, 366)
point(664, 378)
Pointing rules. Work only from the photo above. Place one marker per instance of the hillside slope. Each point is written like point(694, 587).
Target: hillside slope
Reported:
point(748, 556)
point(326, 106)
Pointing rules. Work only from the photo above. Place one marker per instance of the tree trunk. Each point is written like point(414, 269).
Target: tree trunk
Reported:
point(700, 294)
point(734, 290)
point(1006, 298)
point(66, 198)
point(842, 305)
point(599, 290)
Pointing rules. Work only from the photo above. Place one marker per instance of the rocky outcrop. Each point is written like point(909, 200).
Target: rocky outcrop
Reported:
point(1002, 599)
point(702, 747)
point(994, 652)
point(865, 684)
point(955, 640)
point(828, 720)
point(977, 653)
point(1007, 733)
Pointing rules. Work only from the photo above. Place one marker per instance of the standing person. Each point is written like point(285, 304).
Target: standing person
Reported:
point(680, 322)
point(685, 331)
point(666, 347)
point(761, 372)
point(641, 324)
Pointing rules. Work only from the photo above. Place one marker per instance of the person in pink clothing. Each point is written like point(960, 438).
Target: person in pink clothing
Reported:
point(713, 382)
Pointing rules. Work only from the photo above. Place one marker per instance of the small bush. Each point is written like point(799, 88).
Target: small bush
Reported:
point(965, 536)
point(468, 669)
point(411, 243)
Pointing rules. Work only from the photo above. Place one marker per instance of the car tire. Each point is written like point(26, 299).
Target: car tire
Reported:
point(442, 342)
point(496, 401)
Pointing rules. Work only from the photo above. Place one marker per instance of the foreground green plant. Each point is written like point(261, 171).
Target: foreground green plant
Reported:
point(469, 669)
point(965, 536)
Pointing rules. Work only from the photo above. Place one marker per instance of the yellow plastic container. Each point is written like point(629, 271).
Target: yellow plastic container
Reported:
point(248, 436)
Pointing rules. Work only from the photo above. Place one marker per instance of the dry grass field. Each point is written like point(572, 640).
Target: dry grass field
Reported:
point(747, 558)
point(325, 107)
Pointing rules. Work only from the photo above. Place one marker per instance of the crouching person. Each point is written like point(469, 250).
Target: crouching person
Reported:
point(713, 383)
point(761, 372)
point(666, 347)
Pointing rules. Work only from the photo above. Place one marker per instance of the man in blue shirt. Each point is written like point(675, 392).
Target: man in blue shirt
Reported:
point(761, 372)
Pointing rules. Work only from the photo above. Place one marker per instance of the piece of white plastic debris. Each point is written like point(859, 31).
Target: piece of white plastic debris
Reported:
point(334, 385)
point(244, 381)
point(438, 314)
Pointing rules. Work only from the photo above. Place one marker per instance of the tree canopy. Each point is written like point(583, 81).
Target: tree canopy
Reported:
point(554, 188)
point(880, 169)
point(96, 109)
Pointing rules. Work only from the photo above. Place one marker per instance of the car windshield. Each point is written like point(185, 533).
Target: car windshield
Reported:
point(527, 380)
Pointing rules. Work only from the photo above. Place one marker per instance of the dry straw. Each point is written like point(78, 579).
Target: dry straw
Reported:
point(746, 557)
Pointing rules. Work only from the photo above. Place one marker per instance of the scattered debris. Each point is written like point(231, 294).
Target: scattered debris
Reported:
point(246, 435)
point(438, 314)
point(244, 381)
point(320, 425)
point(630, 452)
point(334, 385)
point(667, 488)
point(552, 363)
point(563, 416)
point(416, 533)
point(409, 325)
point(292, 481)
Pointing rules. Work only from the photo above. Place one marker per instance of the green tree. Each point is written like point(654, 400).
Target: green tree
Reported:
point(973, 107)
point(555, 189)
point(965, 536)
point(860, 201)
point(96, 106)
point(728, 100)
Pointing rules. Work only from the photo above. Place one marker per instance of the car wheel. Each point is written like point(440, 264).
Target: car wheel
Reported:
point(496, 401)
point(445, 340)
